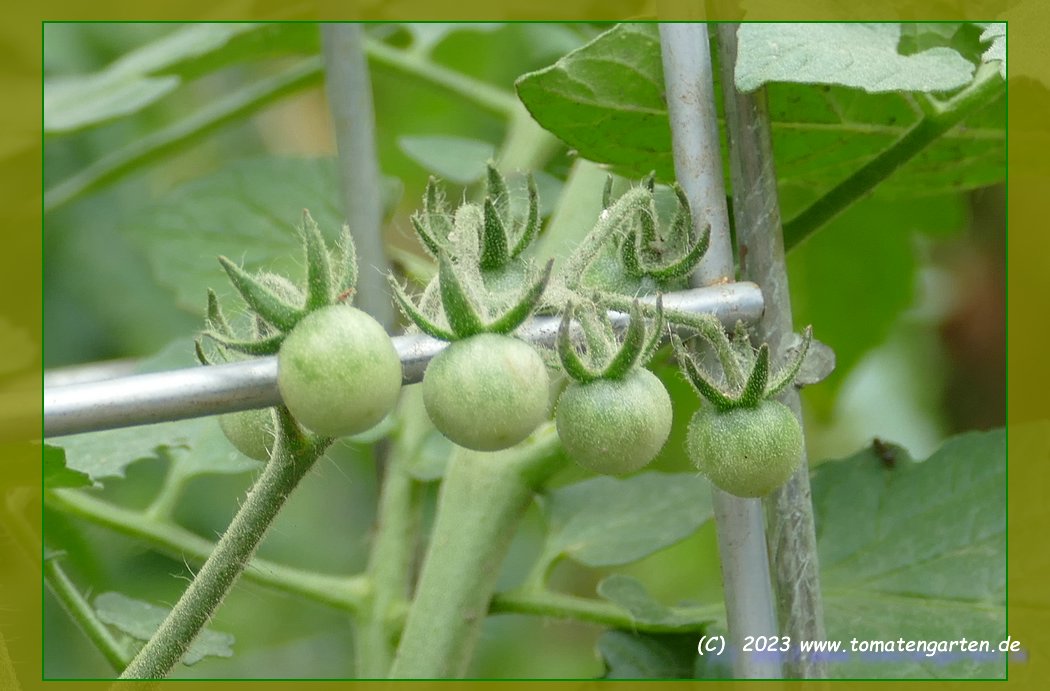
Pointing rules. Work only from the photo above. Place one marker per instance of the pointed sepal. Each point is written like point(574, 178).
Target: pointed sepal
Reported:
point(493, 239)
point(632, 346)
point(215, 318)
point(755, 387)
point(460, 311)
point(786, 375)
point(263, 346)
point(346, 265)
point(531, 227)
point(696, 376)
point(684, 266)
point(264, 301)
point(318, 264)
point(198, 350)
point(570, 360)
point(496, 190)
point(413, 314)
point(632, 263)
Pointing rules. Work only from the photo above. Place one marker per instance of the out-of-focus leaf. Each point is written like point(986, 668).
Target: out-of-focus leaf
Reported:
point(247, 211)
point(147, 74)
point(456, 159)
point(851, 310)
point(915, 550)
point(57, 473)
point(140, 620)
point(863, 56)
point(606, 521)
point(630, 594)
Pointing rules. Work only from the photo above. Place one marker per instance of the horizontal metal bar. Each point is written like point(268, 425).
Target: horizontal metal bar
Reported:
point(200, 391)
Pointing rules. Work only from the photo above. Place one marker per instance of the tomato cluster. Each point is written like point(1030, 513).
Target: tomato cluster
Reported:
point(339, 373)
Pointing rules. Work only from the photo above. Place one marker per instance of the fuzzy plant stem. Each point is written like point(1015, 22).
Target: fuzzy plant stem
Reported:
point(349, 92)
point(483, 498)
point(791, 537)
point(390, 569)
point(739, 522)
point(293, 456)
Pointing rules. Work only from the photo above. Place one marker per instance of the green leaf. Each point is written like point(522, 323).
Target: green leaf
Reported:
point(630, 594)
point(649, 656)
point(198, 445)
point(457, 159)
point(863, 56)
point(916, 550)
point(247, 211)
point(996, 33)
point(607, 97)
point(606, 100)
point(57, 473)
point(140, 620)
point(147, 74)
point(606, 521)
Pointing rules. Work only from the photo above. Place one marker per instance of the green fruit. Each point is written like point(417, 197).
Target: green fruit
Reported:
point(615, 426)
point(338, 371)
point(486, 392)
point(748, 452)
point(251, 431)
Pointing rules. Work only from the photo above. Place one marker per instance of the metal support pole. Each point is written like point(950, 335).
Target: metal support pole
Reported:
point(698, 167)
point(792, 538)
point(197, 392)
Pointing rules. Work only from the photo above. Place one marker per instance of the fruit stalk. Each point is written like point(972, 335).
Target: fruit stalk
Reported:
point(294, 455)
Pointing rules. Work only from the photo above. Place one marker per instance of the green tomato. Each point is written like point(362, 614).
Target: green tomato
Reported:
point(615, 426)
point(251, 431)
point(338, 371)
point(487, 392)
point(748, 452)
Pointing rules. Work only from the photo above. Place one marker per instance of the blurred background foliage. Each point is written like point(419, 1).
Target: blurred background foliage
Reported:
point(913, 298)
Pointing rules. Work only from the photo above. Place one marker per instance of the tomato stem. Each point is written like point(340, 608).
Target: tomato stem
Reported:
point(483, 497)
point(294, 455)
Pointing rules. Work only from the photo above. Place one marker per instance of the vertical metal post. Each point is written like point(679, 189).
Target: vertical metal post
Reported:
point(349, 91)
point(698, 167)
point(760, 246)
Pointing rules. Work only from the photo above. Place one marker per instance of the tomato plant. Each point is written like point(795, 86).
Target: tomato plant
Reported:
point(526, 195)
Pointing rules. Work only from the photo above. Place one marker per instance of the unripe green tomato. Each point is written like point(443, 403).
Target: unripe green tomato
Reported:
point(487, 392)
point(615, 426)
point(338, 371)
point(748, 452)
point(251, 431)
